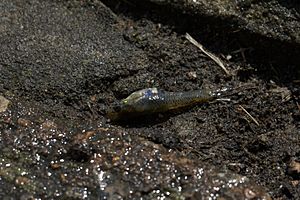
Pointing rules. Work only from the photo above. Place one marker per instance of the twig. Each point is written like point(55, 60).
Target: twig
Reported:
point(223, 99)
point(212, 56)
point(253, 119)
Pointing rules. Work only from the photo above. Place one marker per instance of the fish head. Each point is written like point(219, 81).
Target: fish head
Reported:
point(135, 103)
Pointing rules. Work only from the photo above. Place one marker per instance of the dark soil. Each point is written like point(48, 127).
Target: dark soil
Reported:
point(63, 63)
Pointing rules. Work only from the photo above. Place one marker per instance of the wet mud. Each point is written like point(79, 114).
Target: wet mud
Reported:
point(64, 63)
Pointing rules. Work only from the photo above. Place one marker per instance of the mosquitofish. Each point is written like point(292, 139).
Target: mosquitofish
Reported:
point(153, 100)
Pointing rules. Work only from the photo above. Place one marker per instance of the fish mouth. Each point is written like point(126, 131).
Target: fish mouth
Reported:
point(118, 110)
point(113, 110)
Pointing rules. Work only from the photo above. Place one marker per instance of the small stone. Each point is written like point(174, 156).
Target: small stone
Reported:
point(192, 75)
point(228, 57)
point(3, 104)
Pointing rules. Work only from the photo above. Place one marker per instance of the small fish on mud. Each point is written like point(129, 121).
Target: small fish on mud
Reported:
point(153, 100)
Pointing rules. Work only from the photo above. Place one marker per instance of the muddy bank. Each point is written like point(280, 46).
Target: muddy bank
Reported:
point(274, 19)
point(63, 63)
point(266, 32)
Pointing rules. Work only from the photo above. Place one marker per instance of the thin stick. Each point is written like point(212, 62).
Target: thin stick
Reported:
point(253, 119)
point(223, 99)
point(212, 56)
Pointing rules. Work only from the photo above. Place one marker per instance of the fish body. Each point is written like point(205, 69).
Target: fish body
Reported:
point(153, 100)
